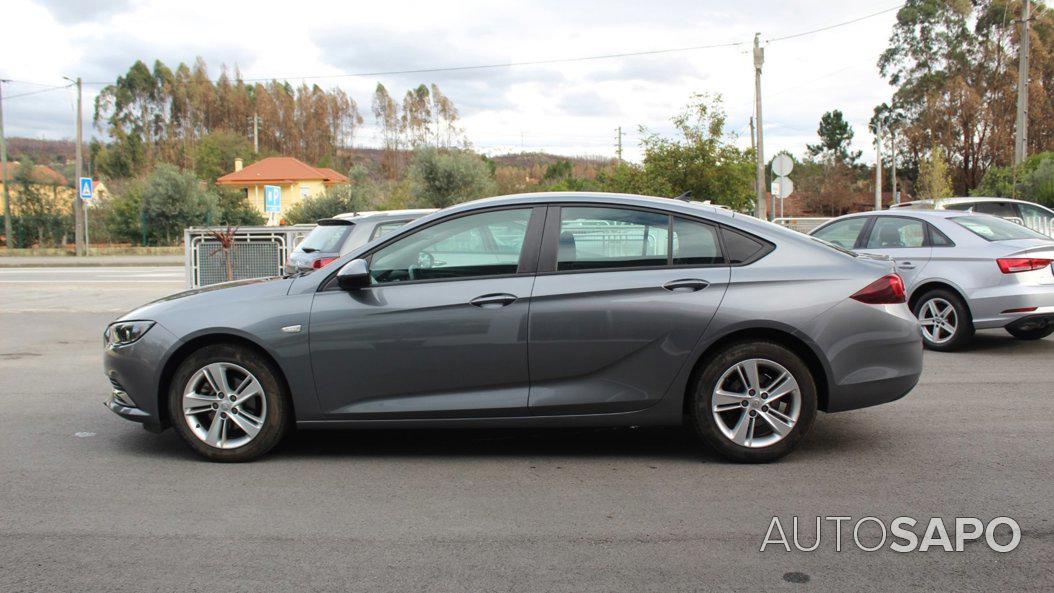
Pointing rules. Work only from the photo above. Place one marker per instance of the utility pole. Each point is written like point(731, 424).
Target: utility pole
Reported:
point(893, 157)
point(759, 60)
point(618, 144)
point(878, 165)
point(8, 233)
point(79, 212)
point(1021, 126)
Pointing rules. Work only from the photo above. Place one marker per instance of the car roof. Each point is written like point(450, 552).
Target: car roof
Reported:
point(671, 204)
point(357, 216)
point(910, 212)
point(959, 200)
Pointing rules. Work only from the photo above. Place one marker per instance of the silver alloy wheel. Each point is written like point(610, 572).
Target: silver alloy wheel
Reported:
point(756, 403)
point(939, 320)
point(224, 405)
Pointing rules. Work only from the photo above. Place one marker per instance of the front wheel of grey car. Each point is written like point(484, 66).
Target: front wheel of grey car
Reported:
point(753, 402)
point(228, 403)
point(945, 320)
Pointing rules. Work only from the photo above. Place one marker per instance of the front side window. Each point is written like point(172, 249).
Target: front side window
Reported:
point(842, 233)
point(485, 244)
point(600, 238)
point(991, 228)
point(893, 233)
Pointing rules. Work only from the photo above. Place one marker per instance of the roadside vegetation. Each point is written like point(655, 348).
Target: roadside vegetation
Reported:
point(171, 131)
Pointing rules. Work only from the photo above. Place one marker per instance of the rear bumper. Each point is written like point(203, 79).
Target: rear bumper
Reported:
point(874, 353)
point(989, 307)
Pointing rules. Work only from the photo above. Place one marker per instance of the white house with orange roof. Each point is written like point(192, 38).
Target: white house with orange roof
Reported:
point(297, 181)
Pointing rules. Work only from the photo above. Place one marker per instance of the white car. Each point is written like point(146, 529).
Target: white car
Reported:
point(1036, 217)
point(333, 237)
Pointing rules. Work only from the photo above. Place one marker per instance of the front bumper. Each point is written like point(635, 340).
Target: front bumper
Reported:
point(135, 372)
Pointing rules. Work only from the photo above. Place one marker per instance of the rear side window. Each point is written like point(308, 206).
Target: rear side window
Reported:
point(598, 238)
point(695, 243)
point(383, 229)
point(843, 233)
point(326, 238)
point(991, 228)
point(740, 248)
point(893, 233)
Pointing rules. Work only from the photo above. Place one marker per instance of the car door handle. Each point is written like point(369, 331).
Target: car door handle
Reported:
point(906, 265)
point(686, 285)
point(493, 301)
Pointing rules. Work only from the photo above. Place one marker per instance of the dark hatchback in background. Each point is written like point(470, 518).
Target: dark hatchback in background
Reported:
point(334, 237)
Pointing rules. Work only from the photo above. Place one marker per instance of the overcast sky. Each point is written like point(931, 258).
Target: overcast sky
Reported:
point(566, 108)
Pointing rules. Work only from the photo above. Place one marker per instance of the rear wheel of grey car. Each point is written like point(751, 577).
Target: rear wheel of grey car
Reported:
point(228, 403)
point(1037, 333)
point(945, 319)
point(753, 402)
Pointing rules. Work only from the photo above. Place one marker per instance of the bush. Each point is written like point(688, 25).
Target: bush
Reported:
point(440, 178)
point(337, 199)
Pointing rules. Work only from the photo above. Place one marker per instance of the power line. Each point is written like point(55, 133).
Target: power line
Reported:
point(834, 26)
point(47, 90)
point(488, 66)
point(492, 66)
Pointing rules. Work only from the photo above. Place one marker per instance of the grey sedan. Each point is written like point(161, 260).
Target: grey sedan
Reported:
point(963, 271)
point(540, 310)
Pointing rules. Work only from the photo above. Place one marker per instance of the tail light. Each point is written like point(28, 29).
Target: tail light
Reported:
point(887, 290)
point(1013, 265)
point(321, 262)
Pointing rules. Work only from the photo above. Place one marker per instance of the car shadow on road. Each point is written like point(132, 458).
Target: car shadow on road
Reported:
point(998, 340)
point(834, 435)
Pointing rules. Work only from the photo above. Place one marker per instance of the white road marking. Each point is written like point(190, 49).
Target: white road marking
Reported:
point(81, 435)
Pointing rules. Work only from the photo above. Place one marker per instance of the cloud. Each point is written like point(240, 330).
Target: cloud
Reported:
point(567, 107)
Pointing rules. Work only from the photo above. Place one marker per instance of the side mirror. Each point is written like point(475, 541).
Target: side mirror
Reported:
point(354, 275)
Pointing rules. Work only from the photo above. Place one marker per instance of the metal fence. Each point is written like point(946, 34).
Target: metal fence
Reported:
point(801, 224)
point(256, 252)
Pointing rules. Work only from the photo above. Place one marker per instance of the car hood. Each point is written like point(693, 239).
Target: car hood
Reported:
point(238, 290)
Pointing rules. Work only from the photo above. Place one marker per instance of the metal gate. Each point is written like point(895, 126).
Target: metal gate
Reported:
point(257, 252)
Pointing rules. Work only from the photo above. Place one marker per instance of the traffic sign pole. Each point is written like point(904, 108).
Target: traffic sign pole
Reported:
point(85, 192)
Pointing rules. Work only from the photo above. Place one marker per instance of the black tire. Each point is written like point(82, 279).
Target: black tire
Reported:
point(702, 391)
point(964, 329)
point(277, 419)
point(1031, 334)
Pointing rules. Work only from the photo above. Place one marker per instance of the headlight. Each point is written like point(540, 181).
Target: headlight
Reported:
point(123, 333)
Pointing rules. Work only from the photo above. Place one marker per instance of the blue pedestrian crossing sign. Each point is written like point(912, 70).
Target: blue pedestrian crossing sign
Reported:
point(86, 189)
point(272, 198)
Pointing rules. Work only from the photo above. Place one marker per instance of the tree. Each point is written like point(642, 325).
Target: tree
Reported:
point(704, 159)
point(386, 114)
point(440, 178)
point(934, 181)
point(215, 153)
point(836, 138)
point(417, 116)
point(954, 63)
point(173, 200)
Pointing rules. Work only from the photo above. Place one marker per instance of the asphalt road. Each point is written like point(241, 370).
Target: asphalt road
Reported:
point(90, 502)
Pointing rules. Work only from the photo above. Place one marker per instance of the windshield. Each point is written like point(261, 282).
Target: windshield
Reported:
point(991, 228)
point(326, 238)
